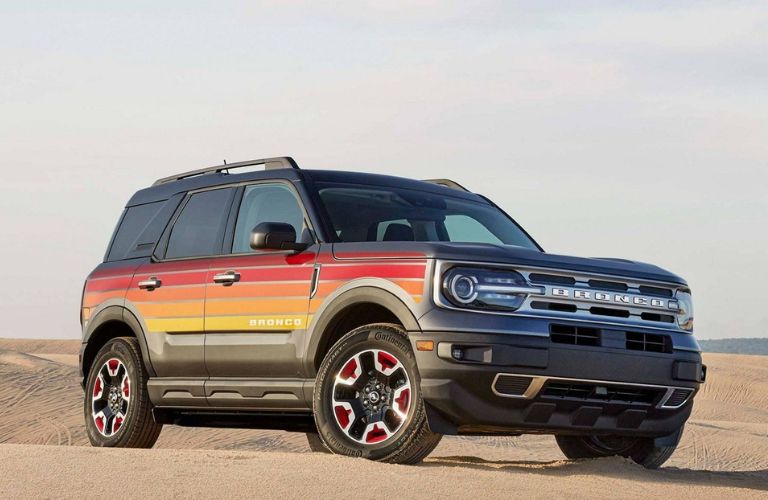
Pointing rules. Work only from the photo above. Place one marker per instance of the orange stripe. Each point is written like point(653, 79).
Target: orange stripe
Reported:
point(93, 299)
point(171, 309)
point(411, 287)
point(170, 294)
point(277, 306)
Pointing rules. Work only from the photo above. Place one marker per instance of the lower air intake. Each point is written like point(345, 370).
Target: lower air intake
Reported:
point(512, 385)
point(677, 398)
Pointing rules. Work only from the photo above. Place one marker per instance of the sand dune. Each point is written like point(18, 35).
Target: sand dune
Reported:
point(724, 450)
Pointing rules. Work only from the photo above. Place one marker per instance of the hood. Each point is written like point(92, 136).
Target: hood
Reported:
point(502, 254)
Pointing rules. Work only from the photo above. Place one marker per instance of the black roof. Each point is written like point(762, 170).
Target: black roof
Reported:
point(167, 188)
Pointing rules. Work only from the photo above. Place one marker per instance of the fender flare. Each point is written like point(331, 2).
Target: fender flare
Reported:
point(120, 314)
point(377, 291)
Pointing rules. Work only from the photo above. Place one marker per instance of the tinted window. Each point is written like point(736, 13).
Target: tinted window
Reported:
point(135, 221)
point(466, 229)
point(266, 203)
point(199, 230)
point(376, 213)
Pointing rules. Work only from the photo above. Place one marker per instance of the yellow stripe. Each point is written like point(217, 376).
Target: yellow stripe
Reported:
point(256, 323)
point(175, 324)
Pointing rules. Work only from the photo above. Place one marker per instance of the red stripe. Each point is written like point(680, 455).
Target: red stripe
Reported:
point(169, 279)
point(263, 259)
point(288, 273)
point(374, 271)
point(108, 284)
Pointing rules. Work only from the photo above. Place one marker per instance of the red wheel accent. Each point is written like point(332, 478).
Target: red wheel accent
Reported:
point(377, 434)
point(97, 387)
point(113, 365)
point(387, 361)
point(126, 388)
point(99, 421)
point(342, 415)
point(403, 401)
point(117, 424)
point(349, 369)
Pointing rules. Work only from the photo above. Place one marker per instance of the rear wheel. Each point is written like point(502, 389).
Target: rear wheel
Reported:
point(367, 399)
point(117, 409)
point(643, 451)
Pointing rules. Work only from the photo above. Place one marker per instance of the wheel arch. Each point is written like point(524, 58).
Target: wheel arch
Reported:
point(356, 305)
point(111, 322)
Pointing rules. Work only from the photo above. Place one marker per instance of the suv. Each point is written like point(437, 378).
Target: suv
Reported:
point(375, 314)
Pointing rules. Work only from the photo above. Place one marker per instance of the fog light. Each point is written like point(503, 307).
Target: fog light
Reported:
point(457, 353)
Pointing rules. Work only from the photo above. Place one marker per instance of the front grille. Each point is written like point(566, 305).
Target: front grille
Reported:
point(574, 335)
point(648, 342)
point(601, 298)
point(585, 391)
point(677, 398)
point(512, 385)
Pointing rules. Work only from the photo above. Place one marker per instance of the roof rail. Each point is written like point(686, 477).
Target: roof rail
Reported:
point(447, 183)
point(269, 164)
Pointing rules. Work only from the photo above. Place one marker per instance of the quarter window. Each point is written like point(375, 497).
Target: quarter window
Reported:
point(199, 230)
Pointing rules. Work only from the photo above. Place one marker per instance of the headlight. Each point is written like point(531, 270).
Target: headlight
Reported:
point(685, 310)
point(489, 289)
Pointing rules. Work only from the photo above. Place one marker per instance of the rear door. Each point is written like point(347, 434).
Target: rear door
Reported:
point(168, 293)
point(256, 310)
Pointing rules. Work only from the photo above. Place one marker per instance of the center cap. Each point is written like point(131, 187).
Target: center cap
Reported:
point(373, 397)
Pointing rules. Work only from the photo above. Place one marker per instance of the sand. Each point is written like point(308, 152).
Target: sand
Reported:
point(724, 452)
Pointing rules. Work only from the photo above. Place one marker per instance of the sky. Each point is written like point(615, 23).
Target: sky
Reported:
point(611, 129)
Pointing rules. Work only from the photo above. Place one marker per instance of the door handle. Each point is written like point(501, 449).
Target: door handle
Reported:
point(226, 278)
point(150, 284)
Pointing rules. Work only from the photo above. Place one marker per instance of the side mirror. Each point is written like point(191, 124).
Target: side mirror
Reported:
point(275, 236)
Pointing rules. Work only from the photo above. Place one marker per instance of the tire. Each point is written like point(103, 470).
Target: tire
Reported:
point(641, 450)
point(116, 407)
point(373, 360)
point(316, 444)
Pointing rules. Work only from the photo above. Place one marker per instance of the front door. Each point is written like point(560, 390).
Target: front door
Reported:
point(256, 308)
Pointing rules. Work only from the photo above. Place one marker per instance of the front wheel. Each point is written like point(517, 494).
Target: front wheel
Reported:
point(643, 451)
point(117, 409)
point(368, 401)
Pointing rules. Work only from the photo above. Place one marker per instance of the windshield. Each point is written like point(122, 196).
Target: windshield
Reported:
point(375, 213)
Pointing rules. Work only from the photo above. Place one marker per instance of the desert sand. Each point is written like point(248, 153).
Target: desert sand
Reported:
point(44, 451)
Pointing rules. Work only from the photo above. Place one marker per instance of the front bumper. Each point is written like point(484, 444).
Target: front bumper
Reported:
point(515, 384)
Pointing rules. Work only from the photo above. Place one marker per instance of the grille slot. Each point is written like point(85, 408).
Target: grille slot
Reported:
point(584, 391)
point(613, 286)
point(607, 311)
point(678, 398)
point(554, 306)
point(512, 385)
point(574, 335)
point(648, 342)
point(661, 318)
point(654, 290)
point(551, 279)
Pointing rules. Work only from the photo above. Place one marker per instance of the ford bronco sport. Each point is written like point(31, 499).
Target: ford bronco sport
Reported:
point(375, 314)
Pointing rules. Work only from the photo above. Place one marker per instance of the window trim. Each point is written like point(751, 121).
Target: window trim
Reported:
point(228, 238)
point(162, 244)
point(230, 233)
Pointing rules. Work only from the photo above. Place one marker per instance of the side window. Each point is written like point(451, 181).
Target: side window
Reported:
point(135, 221)
point(199, 230)
point(462, 228)
point(266, 203)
